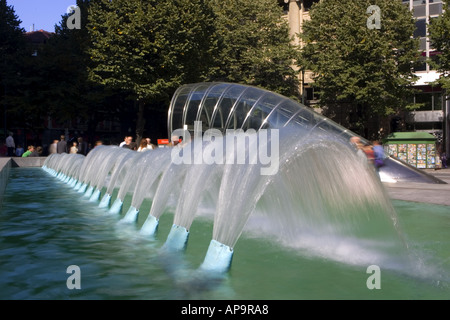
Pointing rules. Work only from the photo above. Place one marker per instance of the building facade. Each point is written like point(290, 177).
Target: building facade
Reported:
point(433, 116)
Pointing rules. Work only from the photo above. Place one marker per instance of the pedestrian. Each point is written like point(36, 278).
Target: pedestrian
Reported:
point(61, 146)
point(444, 160)
point(150, 145)
point(82, 146)
point(74, 148)
point(28, 152)
point(52, 149)
point(144, 146)
point(36, 152)
point(378, 154)
point(19, 151)
point(127, 143)
point(10, 145)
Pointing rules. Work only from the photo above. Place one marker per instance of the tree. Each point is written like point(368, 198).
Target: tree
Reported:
point(255, 47)
point(359, 67)
point(54, 81)
point(439, 32)
point(12, 50)
point(148, 48)
point(72, 94)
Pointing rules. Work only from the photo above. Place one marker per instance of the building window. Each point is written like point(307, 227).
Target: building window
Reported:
point(431, 101)
point(421, 28)
point(423, 65)
point(435, 9)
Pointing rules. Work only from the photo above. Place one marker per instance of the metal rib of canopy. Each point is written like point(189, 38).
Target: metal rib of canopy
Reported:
point(223, 106)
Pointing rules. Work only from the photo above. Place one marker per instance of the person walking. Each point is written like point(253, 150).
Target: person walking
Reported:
point(19, 151)
point(74, 148)
point(53, 147)
point(82, 146)
point(61, 146)
point(444, 160)
point(10, 145)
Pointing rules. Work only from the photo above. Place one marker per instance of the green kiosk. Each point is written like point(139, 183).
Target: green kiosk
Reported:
point(415, 148)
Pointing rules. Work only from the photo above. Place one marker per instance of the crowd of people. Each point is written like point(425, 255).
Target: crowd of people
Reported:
point(372, 153)
point(75, 145)
point(146, 144)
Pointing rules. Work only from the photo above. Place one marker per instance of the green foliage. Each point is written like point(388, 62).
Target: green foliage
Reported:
point(255, 47)
point(358, 66)
point(12, 51)
point(149, 48)
point(12, 45)
point(143, 50)
point(439, 31)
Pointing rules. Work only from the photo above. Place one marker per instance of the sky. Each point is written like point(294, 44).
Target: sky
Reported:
point(44, 14)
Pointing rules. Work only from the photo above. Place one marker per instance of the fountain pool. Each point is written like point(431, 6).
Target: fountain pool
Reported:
point(37, 244)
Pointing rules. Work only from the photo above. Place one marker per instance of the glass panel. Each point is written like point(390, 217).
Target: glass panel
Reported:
point(425, 99)
point(243, 106)
point(210, 102)
point(419, 11)
point(283, 114)
point(224, 105)
point(194, 103)
point(435, 9)
point(421, 28)
point(261, 111)
point(438, 101)
point(423, 44)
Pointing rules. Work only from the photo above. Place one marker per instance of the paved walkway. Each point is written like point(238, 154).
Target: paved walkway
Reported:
point(423, 192)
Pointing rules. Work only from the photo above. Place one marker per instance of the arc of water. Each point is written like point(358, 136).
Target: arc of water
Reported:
point(129, 181)
point(86, 168)
point(199, 178)
point(122, 164)
point(104, 168)
point(170, 180)
point(145, 181)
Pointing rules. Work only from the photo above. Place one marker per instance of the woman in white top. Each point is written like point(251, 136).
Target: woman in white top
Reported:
point(144, 146)
point(73, 148)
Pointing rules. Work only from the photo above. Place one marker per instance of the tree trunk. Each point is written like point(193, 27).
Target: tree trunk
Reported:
point(140, 124)
point(92, 125)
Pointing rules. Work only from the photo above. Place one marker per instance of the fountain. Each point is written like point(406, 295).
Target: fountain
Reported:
point(261, 182)
point(263, 161)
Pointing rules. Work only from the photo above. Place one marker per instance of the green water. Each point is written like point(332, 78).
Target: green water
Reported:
point(46, 226)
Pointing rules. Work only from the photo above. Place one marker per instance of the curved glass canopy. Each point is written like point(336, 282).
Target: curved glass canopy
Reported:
point(223, 106)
